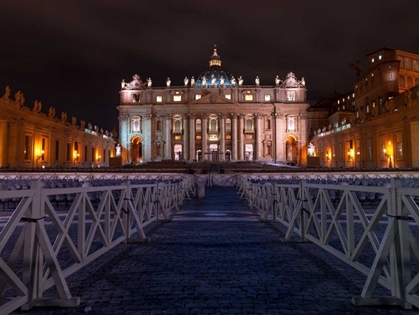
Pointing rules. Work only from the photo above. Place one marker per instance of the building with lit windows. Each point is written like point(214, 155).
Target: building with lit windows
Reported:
point(377, 124)
point(214, 117)
point(30, 138)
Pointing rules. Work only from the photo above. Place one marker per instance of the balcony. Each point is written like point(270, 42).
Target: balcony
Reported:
point(177, 132)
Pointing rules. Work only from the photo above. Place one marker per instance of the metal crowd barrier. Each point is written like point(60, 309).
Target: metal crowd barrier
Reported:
point(341, 220)
point(97, 220)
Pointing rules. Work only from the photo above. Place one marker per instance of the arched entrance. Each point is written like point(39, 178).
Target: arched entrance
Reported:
point(291, 150)
point(136, 150)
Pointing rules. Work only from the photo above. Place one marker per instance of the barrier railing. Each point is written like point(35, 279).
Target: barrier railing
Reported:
point(40, 246)
point(348, 222)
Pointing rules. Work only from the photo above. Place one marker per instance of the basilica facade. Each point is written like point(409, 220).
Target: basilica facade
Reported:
point(214, 117)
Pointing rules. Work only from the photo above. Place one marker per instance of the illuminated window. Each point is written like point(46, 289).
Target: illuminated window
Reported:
point(177, 137)
point(228, 137)
point(248, 137)
point(367, 109)
point(177, 98)
point(213, 137)
point(228, 96)
point(373, 59)
point(267, 98)
point(338, 102)
point(198, 137)
point(249, 97)
point(159, 99)
point(291, 95)
point(197, 96)
point(135, 123)
point(352, 95)
point(380, 57)
point(291, 123)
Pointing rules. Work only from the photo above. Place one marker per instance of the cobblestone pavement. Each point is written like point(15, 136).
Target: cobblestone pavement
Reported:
point(215, 257)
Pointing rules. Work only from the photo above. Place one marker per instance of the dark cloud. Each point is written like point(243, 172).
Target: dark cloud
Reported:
point(73, 54)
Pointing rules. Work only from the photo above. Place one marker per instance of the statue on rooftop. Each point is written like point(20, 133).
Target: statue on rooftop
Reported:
point(233, 81)
point(82, 124)
point(240, 80)
point(213, 80)
point(63, 116)
point(168, 82)
point(17, 97)
point(222, 81)
point(123, 83)
point(277, 80)
point(192, 81)
point(186, 81)
point(257, 81)
point(37, 106)
point(203, 81)
point(73, 121)
point(311, 149)
point(149, 82)
point(6, 93)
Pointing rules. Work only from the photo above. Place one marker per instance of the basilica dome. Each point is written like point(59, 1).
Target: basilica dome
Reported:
point(215, 76)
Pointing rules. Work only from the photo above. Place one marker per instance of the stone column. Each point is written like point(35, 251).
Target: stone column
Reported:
point(241, 148)
point(222, 138)
point(13, 144)
point(303, 138)
point(257, 137)
point(147, 139)
point(124, 138)
point(280, 137)
point(234, 137)
point(185, 138)
point(3, 143)
point(204, 137)
point(273, 126)
point(168, 136)
point(192, 137)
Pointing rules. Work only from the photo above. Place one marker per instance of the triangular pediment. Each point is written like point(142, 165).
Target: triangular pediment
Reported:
point(212, 98)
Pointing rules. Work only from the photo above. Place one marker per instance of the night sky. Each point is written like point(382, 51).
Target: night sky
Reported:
point(72, 55)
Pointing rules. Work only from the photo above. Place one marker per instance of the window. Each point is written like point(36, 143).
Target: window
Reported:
point(136, 98)
point(267, 98)
point(291, 123)
point(213, 124)
point(399, 150)
point(177, 137)
point(159, 99)
point(415, 65)
point(367, 109)
point(228, 125)
point(177, 125)
point(290, 96)
point(373, 59)
point(93, 154)
point(198, 125)
point(86, 151)
point(135, 123)
point(27, 148)
point(407, 62)
point(177, 98)
point(159, 125)
point(197, 96)
point(228, 137)
point(228, 96)
point(249, 97)
point(57, 150)
point(68, 152)
point(198, 137)
point(248, 124)
point(248, 137)
point(380, 57)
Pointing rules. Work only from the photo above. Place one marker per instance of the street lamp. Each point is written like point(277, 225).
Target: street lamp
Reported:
point(38, 155)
